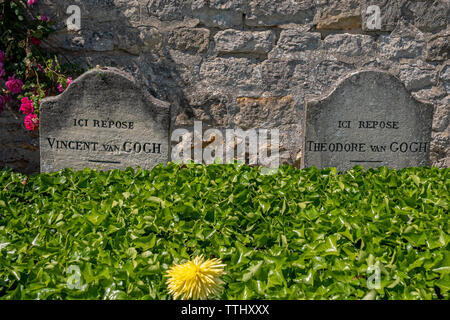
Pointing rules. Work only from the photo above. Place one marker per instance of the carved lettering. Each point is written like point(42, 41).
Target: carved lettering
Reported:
point(401, 147)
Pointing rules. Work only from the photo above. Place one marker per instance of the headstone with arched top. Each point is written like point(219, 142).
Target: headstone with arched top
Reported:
point(103, 120)
point(368, 119)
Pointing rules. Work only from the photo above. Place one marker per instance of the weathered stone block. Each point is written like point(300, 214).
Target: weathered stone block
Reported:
point(425, 15)
point(272, 13)
point(218, 13)
point(339, 15)
point(441, 115)
point(189, 39)
point(405, 42)
point(167, 10)
point(418, 76)
point(444, 76)
point(236, 41)
point(295, 44)
point(437, 48)
point(265, 112)
point(352, 45)
point(428, 15)
point(236, 73)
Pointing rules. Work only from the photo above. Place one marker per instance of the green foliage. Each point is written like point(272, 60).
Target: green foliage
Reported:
point(297, 234)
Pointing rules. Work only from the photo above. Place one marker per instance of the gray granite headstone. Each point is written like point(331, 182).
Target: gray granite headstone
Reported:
point(368, 119)
point(103, 120)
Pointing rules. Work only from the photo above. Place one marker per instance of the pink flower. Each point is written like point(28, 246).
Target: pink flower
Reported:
point(40, 67)
point(31, 2)
point(2, 56)
point(27, 106)
point(60, 86)
point(45, 18)
point(14, 85)
point(35, 41)
point(31, 122)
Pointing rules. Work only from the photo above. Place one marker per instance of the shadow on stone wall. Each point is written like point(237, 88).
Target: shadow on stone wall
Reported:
point(19, 149)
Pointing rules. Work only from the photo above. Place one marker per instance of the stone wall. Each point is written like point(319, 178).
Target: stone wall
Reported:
point(19, 149)
point(252, 64)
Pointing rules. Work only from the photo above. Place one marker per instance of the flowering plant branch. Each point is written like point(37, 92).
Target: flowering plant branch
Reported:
point(28, 73)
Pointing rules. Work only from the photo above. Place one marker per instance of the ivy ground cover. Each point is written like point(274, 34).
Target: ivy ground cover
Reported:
point(296, 234)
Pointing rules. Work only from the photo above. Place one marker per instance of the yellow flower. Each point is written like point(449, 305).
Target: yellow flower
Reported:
point(196, 279)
